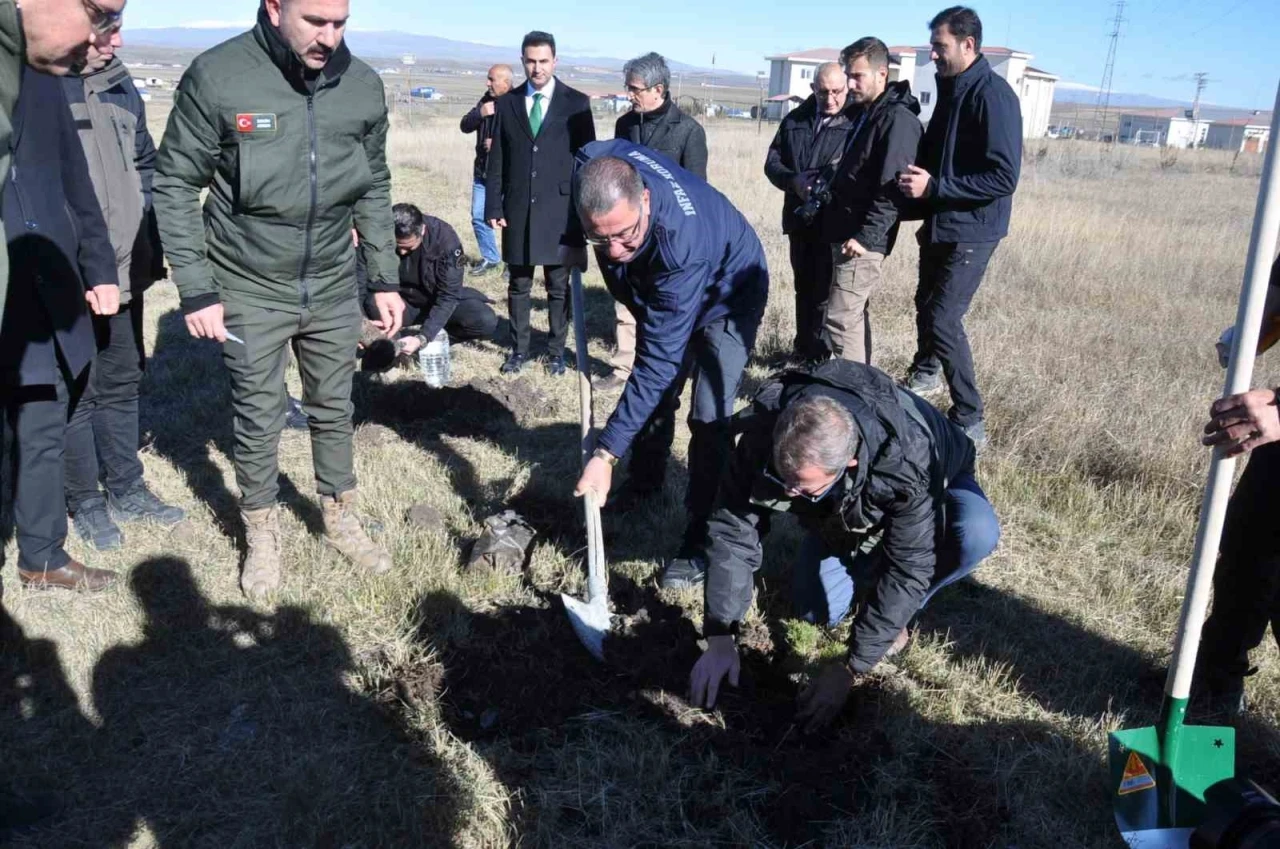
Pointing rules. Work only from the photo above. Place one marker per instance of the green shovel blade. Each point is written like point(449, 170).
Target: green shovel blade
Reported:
point(1159, 788)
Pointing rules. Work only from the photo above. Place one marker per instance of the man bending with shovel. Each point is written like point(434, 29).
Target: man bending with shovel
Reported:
point(884, 485)
point(676, 253)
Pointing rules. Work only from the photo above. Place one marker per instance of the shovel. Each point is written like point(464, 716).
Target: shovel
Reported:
point(1159, 774)
point(591, 618)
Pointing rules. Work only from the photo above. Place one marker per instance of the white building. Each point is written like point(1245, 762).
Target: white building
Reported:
point(791, 74)
point(1245, 135)
point(1035, 88)
point(1163, 128)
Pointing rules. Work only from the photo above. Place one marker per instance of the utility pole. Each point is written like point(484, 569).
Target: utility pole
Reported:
point(1202, 82)
point(1104, 91)
point(760, 107)
point(713, 84)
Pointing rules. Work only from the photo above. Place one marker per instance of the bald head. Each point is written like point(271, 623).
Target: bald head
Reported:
point(830, 88)
point(499, 81)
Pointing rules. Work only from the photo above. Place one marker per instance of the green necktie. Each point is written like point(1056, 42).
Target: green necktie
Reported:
point(535, 114)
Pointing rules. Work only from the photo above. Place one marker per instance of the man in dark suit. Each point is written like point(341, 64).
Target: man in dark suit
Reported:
point(60, 256)
point(541, 125)
point(656, 122)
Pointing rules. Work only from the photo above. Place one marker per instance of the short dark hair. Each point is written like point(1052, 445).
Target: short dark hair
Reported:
point(963, 23)
point(603, 182)
point(538, 38)
point(872, 48)
point(408, 219)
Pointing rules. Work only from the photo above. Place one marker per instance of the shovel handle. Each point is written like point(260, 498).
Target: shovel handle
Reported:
point(587, 412)
point(597, 583)
point(1262, 247)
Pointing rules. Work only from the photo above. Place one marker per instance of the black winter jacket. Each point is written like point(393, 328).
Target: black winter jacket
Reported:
point(799, 152)
point(865, 195)
point(908, 453)
point(670, 132)
point(482, 126)
point(57, 239)
point(973, 150)
point(430, 278)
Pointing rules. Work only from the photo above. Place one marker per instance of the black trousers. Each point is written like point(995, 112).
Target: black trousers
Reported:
point(36, 424)
point(1246, 584)
point(811, 269)
point(950, 274)
point(520, 306)
point(102, 438)
point(472, 319)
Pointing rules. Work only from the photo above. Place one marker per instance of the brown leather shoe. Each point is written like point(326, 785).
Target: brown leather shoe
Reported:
point(74, 576)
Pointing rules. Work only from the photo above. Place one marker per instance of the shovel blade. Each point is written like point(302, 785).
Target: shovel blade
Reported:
point(1157, 798)
point(591, 622)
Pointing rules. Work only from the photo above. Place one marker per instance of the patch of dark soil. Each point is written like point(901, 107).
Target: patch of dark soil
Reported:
point(519, 396)
point(519, 674)
point(426, 518)
point(374, 436)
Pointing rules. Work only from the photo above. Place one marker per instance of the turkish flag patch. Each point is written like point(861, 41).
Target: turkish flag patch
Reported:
point(256, 122)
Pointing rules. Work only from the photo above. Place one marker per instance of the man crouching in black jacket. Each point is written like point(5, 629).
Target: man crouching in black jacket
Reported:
point(852, 456)
point(431, 269)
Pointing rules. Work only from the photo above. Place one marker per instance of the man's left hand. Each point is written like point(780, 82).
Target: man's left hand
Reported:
point(104, 299)
point(852, 249)
point(598, 477)
point(390, 312)
point(914, 182)
point(822, 699)
point(1241, 423)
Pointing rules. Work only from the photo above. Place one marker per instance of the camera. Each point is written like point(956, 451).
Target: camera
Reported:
point(819, 197)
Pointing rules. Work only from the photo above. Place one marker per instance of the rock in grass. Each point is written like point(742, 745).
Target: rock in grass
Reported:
point(425, 517)
point(504, 545)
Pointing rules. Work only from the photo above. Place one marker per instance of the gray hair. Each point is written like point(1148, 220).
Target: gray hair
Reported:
point(602, 183)
point(651, 68)
point(828, 69)
point(814, 431)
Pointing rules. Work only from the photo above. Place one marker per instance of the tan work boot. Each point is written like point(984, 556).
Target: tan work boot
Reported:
point(261, 573)
point(342, 530)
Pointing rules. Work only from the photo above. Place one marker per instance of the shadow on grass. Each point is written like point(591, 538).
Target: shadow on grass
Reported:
point(613, 754)
point(223, 727)
point(187, 416)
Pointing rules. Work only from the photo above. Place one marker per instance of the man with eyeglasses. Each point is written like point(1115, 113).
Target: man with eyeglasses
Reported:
point(805, 151)
point(688, 265)
point(656, 122)
point(883, 485)
point(287, 131)
point(52, 36)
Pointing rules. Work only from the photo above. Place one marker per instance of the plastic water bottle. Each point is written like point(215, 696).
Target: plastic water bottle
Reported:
point(434, 361)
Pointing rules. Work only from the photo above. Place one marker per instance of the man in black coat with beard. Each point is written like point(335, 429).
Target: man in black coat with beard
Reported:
point(541, 125)
point(60, 256)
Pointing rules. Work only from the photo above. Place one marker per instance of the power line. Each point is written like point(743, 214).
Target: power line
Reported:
point(1218, 19)
point(1104, 91)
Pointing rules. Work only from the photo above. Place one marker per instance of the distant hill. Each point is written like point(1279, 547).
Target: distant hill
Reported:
point(392, 45)
point(1123, 100)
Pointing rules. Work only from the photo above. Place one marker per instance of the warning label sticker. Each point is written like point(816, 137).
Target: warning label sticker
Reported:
point(1136, 778)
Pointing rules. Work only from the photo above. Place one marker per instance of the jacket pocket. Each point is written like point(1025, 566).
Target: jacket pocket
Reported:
point(565, 187)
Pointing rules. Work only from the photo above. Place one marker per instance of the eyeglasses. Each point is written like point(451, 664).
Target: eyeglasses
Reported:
point(814, 497)
point(825, 93)
point(100, 20)
point(633, 89)
point(626, 237)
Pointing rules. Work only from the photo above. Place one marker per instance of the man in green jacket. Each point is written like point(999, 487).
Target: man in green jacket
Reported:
point(288, 132)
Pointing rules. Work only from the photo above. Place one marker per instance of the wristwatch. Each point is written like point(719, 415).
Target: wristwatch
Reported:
point(601, 454)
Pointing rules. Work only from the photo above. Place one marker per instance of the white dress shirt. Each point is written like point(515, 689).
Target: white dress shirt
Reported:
point(547, 91)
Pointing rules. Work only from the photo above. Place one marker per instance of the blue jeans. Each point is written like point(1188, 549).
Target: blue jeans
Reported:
point(485, 237)
point(826, 582)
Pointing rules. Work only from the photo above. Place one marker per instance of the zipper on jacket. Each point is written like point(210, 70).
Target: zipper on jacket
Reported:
point(303, 290)
point(22, 203)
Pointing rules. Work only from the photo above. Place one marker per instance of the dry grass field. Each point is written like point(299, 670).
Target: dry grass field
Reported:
point(444, 707)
